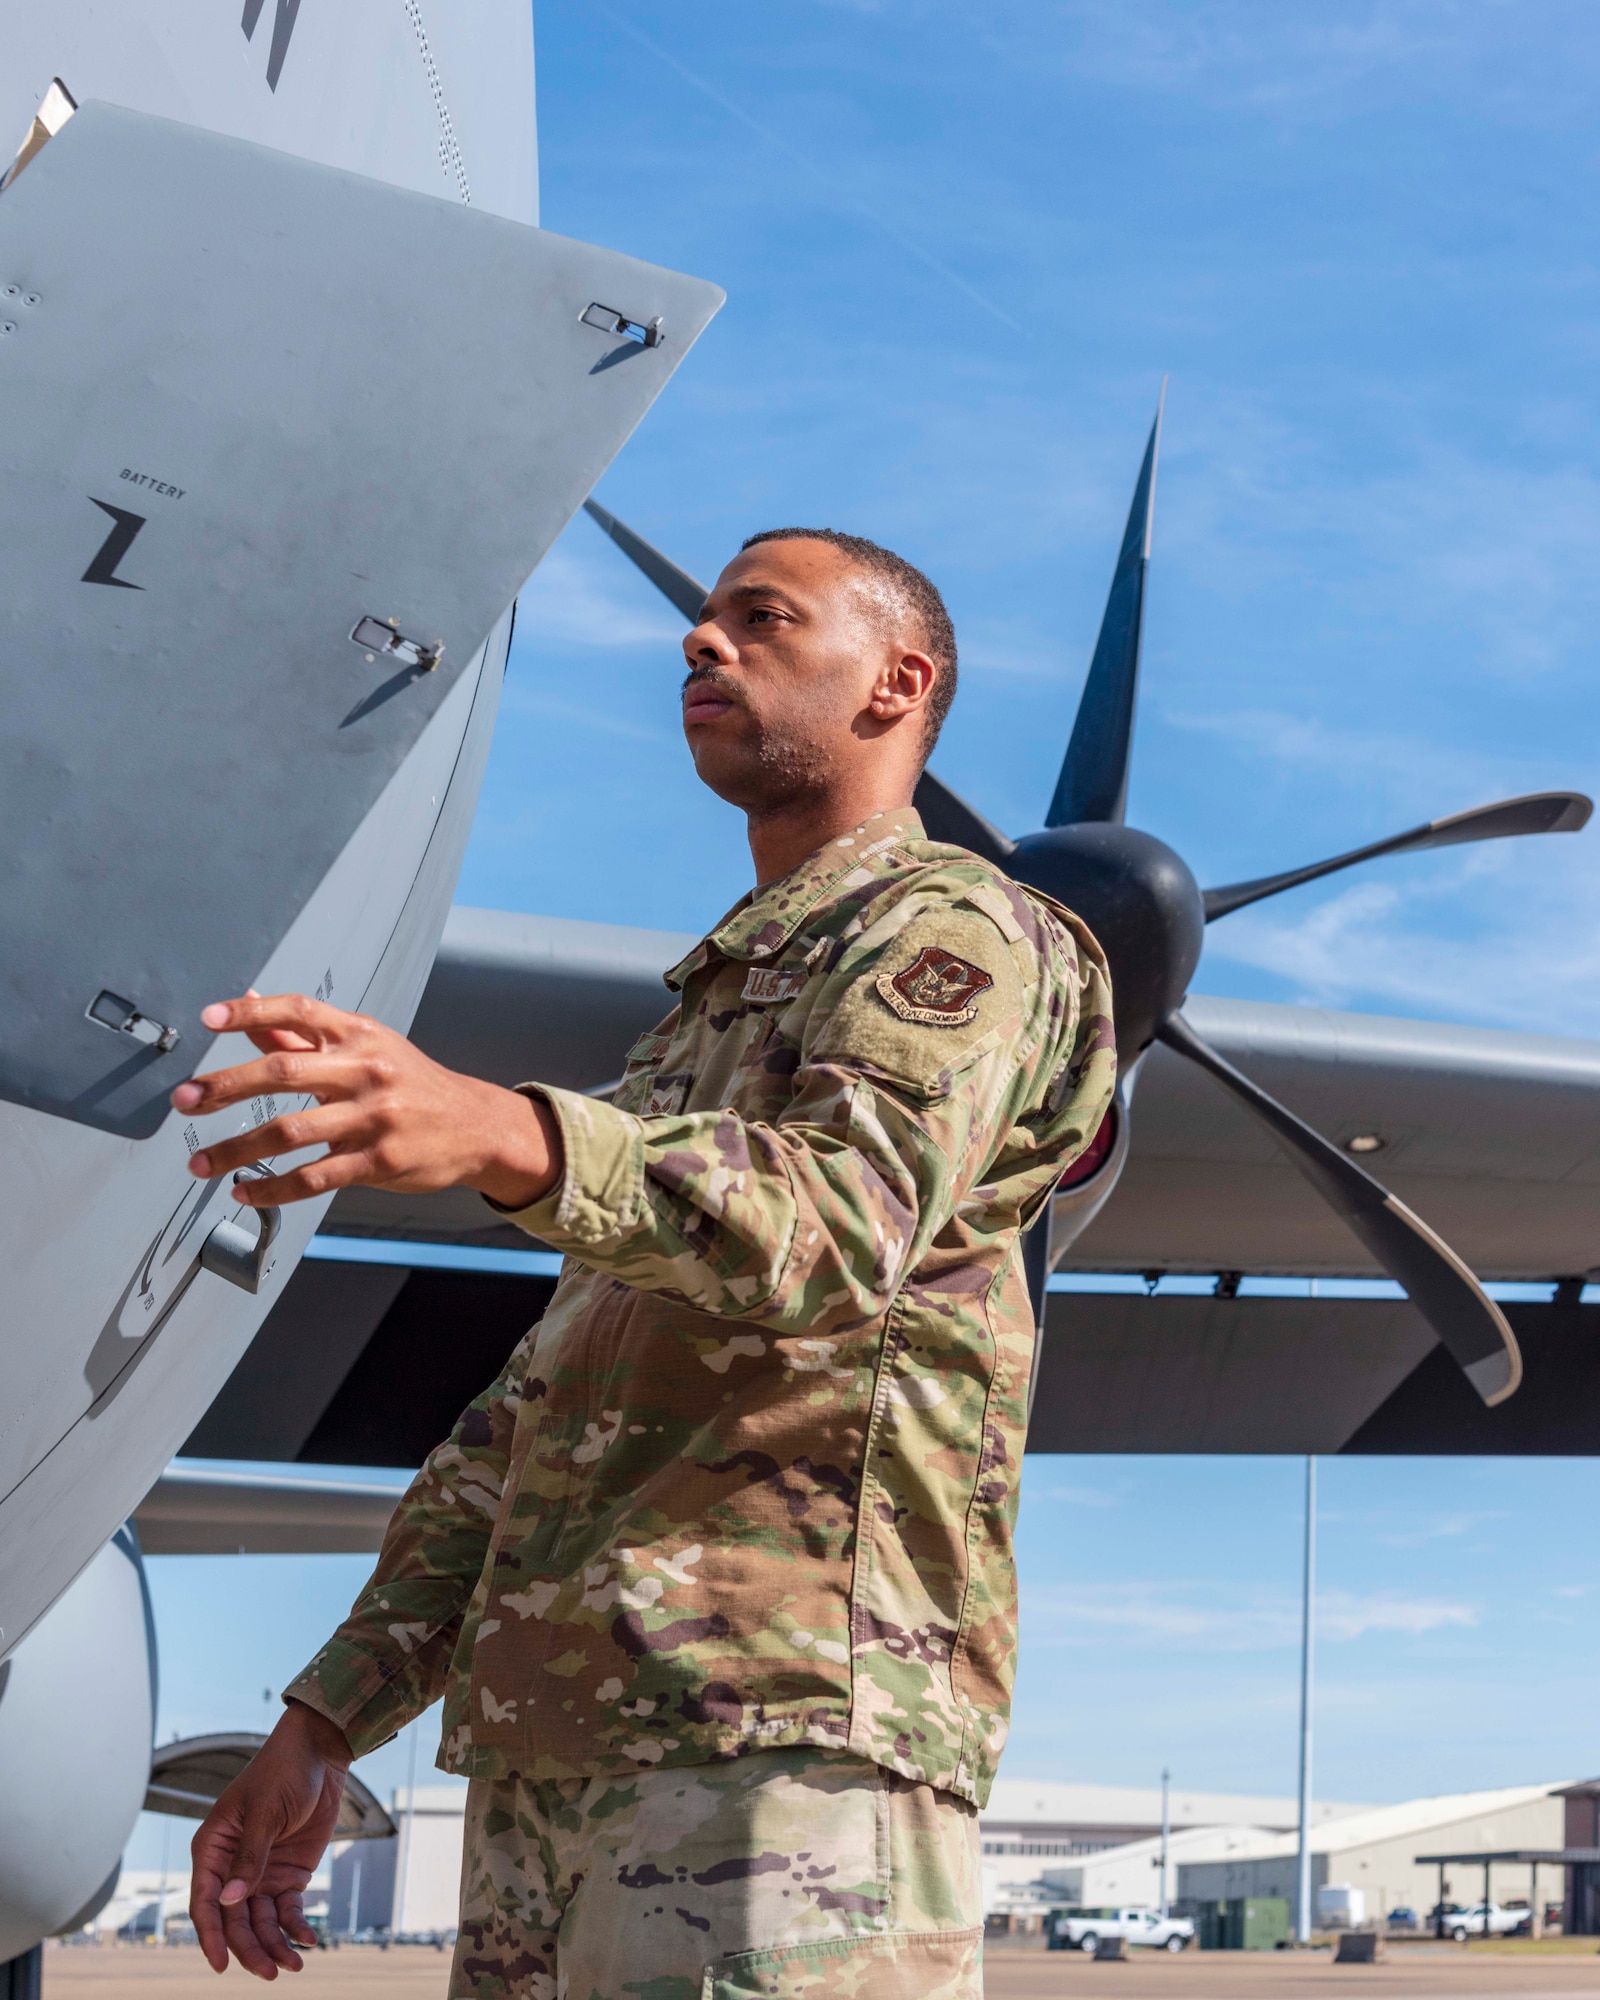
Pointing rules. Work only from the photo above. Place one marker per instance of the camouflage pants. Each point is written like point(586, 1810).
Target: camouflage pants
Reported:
point(793, 1874)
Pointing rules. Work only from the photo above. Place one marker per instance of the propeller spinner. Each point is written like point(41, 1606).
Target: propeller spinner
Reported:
point(1144, 905)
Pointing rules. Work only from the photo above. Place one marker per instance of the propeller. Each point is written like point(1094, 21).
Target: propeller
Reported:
point(1534, 812)
point(676, 585)
point(1439, 1285)
point(1093, 784)
point(1150, 914)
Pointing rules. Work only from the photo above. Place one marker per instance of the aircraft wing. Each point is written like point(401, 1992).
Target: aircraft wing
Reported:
point(1492, 1137)
point(214, 1511)
point(513, 997)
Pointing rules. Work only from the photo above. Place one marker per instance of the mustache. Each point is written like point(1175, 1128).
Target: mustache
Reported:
point(713, 677)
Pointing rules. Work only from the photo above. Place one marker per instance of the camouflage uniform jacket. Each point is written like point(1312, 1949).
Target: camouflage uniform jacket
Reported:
point(752, 1479)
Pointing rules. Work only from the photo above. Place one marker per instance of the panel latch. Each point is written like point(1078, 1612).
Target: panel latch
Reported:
point(112, 1011)
point(233, 1252)
point(382, 637)
point(643, 333)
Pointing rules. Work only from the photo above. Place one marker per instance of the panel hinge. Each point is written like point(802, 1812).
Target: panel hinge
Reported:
point(382, 635)
point(110, 1010)
point(643, 333)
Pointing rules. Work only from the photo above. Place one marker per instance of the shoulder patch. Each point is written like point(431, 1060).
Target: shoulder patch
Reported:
point(936, 994)
point(937, 989)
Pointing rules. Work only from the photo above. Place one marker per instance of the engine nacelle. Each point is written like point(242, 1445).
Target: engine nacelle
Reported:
point(77, 1714)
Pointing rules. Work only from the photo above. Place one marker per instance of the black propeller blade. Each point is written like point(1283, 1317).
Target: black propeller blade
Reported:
point(946, 816)
point(1093, 784)
point(1535, 812)
point(676, 585)
point(1438, 1284)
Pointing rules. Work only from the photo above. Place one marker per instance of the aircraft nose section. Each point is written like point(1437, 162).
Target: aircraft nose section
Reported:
point(1141, 902)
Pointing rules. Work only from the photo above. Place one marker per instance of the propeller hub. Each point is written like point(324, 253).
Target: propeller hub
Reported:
point(1141, 902)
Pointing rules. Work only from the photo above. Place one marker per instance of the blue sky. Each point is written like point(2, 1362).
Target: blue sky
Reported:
point(962, 248)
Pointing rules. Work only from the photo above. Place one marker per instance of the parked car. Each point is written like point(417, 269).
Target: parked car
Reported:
point(1462, 1924)
point(1078, 1929)
point(1402, 1918)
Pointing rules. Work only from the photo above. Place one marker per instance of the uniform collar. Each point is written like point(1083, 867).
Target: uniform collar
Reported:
point(759, 925)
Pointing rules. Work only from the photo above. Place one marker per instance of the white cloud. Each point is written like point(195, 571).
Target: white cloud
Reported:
point(1341, 1615)
point(1082, 1496)
point(1489, 548)
point(599, 600)
point(1216, 1619)
point(1320, 63)
point(1384, 946)
point(1440, 1527)
point(1426, 779)
point(539, 701)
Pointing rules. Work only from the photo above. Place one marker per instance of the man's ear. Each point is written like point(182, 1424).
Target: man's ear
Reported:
point(903, 686)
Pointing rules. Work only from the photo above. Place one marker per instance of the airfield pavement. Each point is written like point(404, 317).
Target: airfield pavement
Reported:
point(1012, 1972)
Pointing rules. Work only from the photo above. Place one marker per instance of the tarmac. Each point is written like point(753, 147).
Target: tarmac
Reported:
point(1012, 1972)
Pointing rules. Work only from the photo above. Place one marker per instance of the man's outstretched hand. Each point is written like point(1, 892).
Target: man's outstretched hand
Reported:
point(388, 1115)
point(260, 1843)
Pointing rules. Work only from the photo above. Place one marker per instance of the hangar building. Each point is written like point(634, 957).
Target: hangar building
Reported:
point(1376, 1851)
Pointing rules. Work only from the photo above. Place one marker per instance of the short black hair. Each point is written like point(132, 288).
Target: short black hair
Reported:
point(917, 592)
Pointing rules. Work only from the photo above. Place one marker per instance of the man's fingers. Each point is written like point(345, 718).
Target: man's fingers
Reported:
point(336, 1170)
point(207, 1919)
point(325, 1125)
point(269, 1933)
point(212, 1851)
point(267, 1039)
point(318, 1073)
point(270, 1039)
point(261, 1826)
point(251, 1953)
point(292, 1918)
point(319, 1023)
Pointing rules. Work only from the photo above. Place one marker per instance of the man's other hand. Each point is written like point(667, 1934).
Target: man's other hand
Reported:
point(260, 1843)
point(388, 1115)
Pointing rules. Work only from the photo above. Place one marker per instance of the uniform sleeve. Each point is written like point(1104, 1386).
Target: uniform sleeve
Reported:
point(388, 1661)
point(917, 1056)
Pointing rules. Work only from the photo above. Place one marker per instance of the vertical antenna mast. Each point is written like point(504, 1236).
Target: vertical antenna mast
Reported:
point(1303, 1911)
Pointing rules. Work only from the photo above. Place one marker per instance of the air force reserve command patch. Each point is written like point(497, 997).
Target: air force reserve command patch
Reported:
point(936, 989)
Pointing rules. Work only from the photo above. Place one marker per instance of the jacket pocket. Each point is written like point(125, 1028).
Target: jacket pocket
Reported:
point(638, 1071)
point(880, 1965)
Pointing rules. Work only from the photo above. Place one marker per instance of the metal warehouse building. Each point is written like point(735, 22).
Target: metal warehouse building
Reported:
point(1377, 1851)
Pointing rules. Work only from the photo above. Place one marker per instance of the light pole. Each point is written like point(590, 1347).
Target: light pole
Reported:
point(1307, 1638)
point(161, 1893)
point(1166, 1833)
point(402, 1869)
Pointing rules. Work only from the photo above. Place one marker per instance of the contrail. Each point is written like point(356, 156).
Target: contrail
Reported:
point(911, 248)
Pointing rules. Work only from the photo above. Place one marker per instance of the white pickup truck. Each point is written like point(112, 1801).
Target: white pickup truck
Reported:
point(1462, 1924)
point(1077, 1929)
